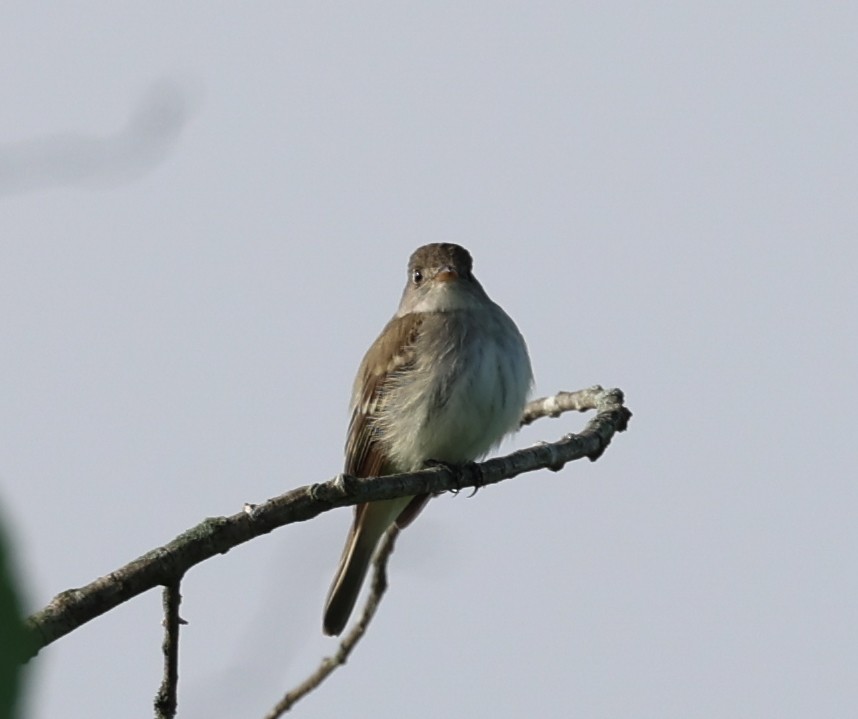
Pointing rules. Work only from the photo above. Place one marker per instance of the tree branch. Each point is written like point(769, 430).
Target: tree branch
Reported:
point(217, 535)
point(329, 664)
point(166, 701)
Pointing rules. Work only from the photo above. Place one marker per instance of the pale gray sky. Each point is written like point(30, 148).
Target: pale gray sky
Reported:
point(206, 211)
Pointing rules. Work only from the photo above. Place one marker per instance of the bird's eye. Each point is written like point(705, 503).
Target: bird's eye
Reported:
point(417, 277)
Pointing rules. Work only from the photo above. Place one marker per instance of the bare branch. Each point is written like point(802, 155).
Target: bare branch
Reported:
point(581, 401)
point(166, 698)
point(217, 535)
point(329, 664)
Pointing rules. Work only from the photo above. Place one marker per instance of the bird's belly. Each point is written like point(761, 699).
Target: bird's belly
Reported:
point(462, 416)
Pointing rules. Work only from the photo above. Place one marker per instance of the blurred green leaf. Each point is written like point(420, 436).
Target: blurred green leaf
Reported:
point(11, 633)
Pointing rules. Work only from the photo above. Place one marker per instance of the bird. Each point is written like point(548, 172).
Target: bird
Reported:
point(445, 381)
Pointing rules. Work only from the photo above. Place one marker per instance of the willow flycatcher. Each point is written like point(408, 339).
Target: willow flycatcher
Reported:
point(445, 381)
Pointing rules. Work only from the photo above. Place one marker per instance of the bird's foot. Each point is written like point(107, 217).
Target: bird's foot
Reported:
point(459, 471)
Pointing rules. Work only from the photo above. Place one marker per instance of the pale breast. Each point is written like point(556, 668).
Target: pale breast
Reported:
point(466, 390)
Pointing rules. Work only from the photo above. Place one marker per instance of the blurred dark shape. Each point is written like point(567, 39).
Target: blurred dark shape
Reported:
point(77, 159)
point(12, 635)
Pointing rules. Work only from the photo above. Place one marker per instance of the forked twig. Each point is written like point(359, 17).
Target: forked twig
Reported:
point(329, 664)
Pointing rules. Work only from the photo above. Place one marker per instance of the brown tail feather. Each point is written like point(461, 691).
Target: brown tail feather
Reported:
point(346, 587)
point(371, 522)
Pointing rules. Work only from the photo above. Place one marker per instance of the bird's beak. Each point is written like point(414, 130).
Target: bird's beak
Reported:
point(447, 274)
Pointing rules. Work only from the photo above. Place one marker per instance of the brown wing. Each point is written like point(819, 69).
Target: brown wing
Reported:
point(390, 354)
